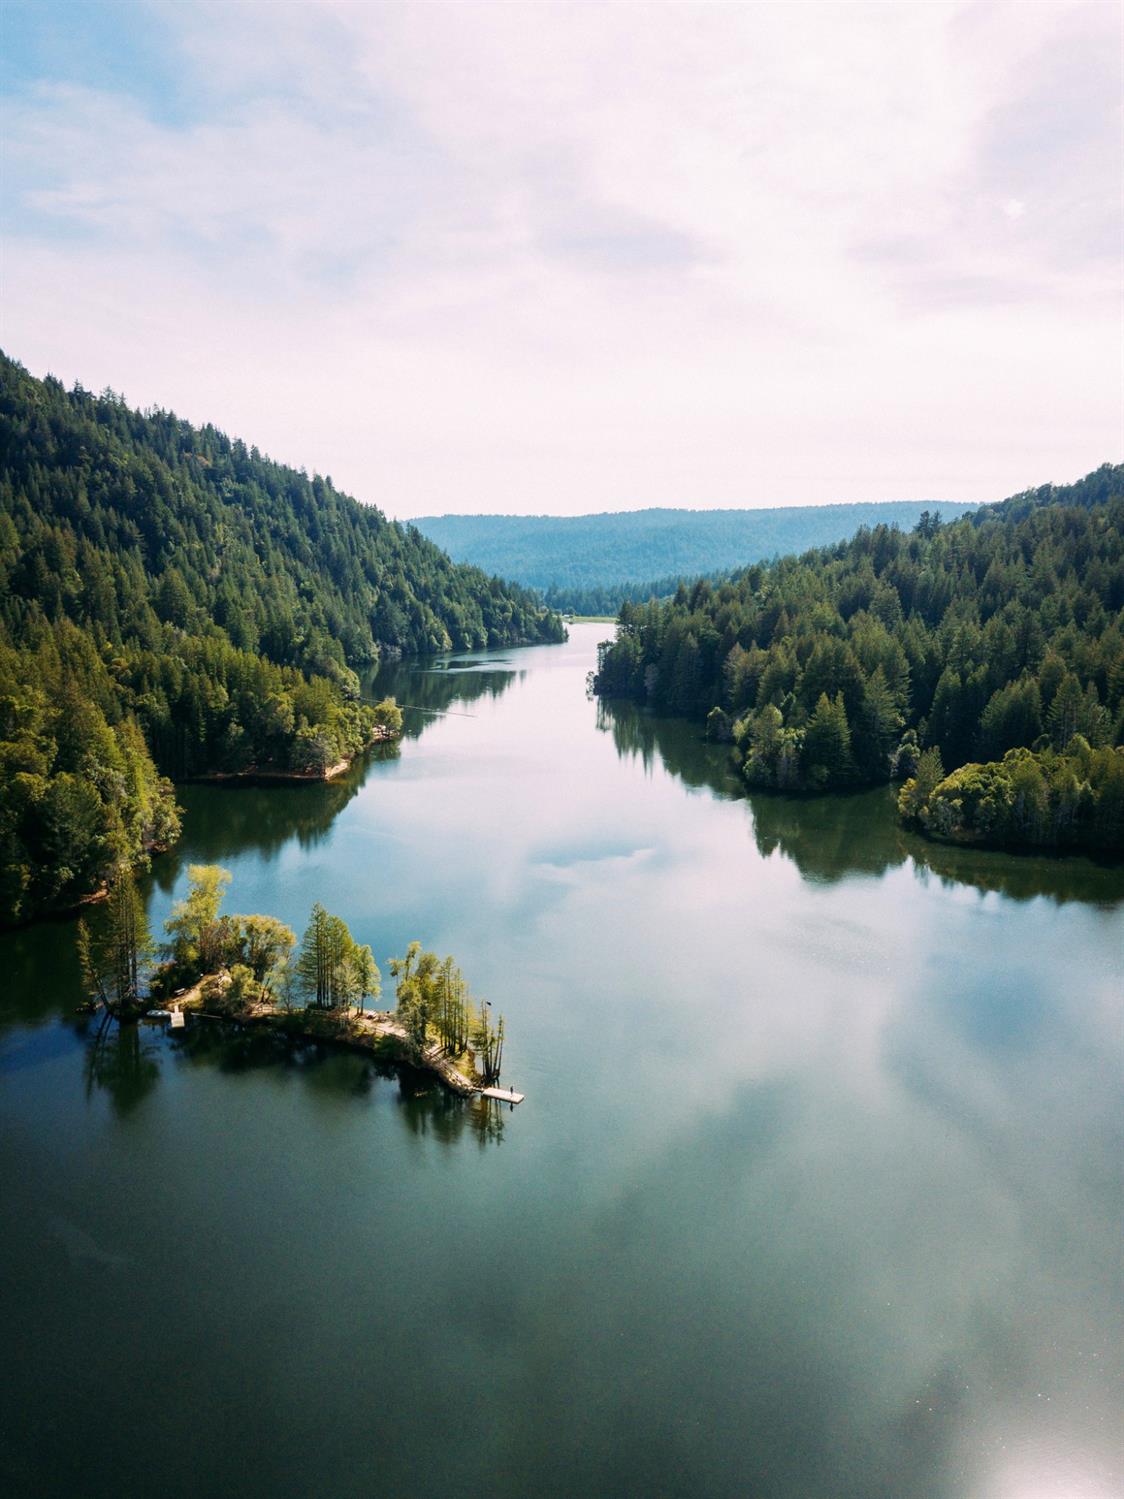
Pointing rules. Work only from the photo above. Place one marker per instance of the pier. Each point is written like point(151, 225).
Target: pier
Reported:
point(505, 1095)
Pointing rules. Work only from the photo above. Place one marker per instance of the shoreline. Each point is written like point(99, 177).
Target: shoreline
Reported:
point(375, 1033)
point(267, 775)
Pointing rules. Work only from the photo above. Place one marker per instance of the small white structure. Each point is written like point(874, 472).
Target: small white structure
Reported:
point(505, 1095)
point(177, 1020)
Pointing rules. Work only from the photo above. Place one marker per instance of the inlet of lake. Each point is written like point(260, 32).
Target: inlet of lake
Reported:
point(815, 1194)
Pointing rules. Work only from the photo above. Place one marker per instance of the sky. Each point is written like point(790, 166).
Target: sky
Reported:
point(559, 258)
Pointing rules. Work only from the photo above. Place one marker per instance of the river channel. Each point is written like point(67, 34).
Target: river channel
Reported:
point(815, 1193)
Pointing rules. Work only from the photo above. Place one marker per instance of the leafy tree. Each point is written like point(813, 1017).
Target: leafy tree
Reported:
point(266, 945)
point(388, 718)
point(432, 996)
point(199, 941)
point(1042, 799)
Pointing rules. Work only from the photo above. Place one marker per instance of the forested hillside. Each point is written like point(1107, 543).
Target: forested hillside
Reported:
point(592, 563)
point(992, 648)
point(173, 604)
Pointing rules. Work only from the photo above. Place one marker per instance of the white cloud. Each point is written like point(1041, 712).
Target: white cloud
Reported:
point(577, 257)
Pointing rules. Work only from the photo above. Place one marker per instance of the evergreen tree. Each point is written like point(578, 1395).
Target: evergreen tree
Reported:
point(826, 759)
point(116, 954)
point(972, 638)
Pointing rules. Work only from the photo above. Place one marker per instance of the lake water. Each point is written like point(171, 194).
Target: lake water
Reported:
point(816, 1192)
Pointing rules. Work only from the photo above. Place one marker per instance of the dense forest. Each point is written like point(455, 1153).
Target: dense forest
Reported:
point(982, 662)
point(590, 564)
point(173, 604)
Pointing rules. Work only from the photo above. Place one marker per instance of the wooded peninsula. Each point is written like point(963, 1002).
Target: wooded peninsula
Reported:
point(252, 970)
point(981, 663)
point(173, 606)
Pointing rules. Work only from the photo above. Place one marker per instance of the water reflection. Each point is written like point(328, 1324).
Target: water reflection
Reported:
point(449, 684)
point(41, 973)
point(428, 1110)
point(222, 822)
point(815, 1194)
point(674, 743)
point(124, 1062)
point(832, 838)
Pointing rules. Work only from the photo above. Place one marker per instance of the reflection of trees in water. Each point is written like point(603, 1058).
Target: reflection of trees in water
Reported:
point(41, 972)
point(830, 838)
point(438, 687)
point(1059, 877)
point(429, 1109)
point(123, 1061)
point(426, 1107)
point(677, 742)
point(221, 822)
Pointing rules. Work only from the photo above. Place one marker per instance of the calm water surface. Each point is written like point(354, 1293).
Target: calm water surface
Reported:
point(816, 1192)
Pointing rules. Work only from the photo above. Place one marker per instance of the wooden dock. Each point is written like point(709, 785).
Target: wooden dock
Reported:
point(505, 1095)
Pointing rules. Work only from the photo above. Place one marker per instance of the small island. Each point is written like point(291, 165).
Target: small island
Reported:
point(251, 970)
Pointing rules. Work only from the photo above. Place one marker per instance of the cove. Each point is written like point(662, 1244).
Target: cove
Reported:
point(815, 1192)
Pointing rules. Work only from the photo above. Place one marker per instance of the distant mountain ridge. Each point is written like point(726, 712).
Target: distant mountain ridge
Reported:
point(613, 551)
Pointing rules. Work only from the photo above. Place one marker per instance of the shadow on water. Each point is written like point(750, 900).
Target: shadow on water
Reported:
point(41, 973)
point(125, 1063)
point(674, 743)
point(831, 838)
point(221, 821)
point(443, 686)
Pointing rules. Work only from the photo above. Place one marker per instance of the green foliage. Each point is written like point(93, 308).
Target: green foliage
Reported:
point(115, 950)
point(1044, 799)
point(914, 795)
point(202, 940)
point(79, 793)
point(172, 603)
point(199, 941)
point(266, 945)
point(388, 718)
point(332, 971)
point(969, 639)
point(826, 751)
point(433, 1000)
point(138, 521)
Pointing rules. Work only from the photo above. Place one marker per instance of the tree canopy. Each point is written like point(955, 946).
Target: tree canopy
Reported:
point(1002, 631)
point(174, 604)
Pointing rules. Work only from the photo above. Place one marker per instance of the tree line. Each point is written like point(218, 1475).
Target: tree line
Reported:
point(1001, 632)
point(197, 609)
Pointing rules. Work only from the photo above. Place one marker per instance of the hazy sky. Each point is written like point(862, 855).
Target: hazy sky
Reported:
point(563, 258)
